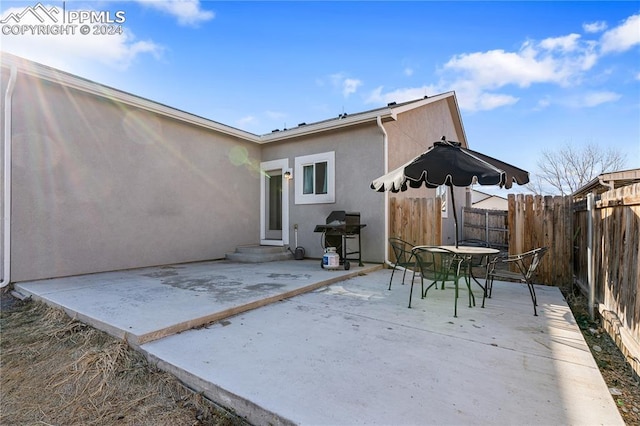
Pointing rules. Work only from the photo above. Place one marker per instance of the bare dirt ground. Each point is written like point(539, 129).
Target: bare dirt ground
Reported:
point(57, 371)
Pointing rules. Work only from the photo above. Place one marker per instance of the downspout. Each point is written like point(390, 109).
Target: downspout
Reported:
point(385, 145)
point(6, 212)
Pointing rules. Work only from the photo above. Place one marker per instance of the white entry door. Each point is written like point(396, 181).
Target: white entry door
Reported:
point(274, 203)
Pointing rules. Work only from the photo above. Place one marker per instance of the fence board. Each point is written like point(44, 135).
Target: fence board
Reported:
point(536, 221)
point(487, 225)
point(616, 258)
point(416, 220)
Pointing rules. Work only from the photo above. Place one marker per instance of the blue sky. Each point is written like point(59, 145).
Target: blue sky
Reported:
point(529, 76)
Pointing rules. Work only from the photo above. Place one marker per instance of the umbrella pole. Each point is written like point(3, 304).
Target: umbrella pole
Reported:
point(455, 215)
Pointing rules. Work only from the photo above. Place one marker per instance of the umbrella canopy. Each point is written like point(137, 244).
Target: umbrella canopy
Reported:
point(447, 163)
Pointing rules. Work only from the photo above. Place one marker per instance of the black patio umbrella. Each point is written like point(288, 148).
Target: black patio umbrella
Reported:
point(447, 163)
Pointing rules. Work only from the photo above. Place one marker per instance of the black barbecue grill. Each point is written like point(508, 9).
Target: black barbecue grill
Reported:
point(340, 227)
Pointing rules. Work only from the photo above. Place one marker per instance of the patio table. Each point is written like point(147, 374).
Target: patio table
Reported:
point(473, 251)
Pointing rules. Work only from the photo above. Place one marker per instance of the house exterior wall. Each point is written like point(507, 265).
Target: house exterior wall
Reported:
point(99, 185)
point(359, 160)
point(412, 134)
point(4, 81)
point(492, 203)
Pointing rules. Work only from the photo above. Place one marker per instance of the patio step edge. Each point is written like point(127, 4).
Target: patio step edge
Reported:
point(259, 255)
point(256, 249)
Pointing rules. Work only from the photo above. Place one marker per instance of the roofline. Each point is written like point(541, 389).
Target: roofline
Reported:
point(28, 67)
point(322, 126)
point(608, 180)
point(458, 119)
point(390, 112)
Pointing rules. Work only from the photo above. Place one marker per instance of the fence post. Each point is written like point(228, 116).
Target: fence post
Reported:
point(486, 225)
point(590, 277)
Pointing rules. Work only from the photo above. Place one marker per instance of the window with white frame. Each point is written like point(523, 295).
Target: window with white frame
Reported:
point(441, 192)
point(315, 178)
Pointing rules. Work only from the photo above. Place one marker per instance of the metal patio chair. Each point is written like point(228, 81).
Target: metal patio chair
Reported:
point(404, 257)
point(439, 265)
point(525, 265)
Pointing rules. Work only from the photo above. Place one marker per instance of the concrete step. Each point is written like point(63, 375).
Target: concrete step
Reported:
point(259, 254)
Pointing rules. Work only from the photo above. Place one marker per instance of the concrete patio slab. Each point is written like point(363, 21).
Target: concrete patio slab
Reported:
point(141, 305)
point(352, 353)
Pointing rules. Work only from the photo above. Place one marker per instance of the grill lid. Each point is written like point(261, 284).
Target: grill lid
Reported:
point(341, 217)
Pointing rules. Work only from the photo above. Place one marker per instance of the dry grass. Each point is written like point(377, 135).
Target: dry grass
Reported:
point(58, 371)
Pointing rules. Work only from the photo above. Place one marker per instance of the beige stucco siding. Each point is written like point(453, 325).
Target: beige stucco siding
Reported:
point(104, 180)
point(101, 186)
point(412, 134)
point(359, 160)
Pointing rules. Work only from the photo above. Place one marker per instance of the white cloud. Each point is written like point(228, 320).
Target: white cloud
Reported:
point(567, 43)
point(275, 115)
point(597, 98)
point(337, 79)
point(622, 37)
point(488, 101)
point(588, 99)
point(497, 68)
point(408, 71)
point(594, 27)
point(472, 97)
point(349, 86)
point(543, 103)
point(346, 85)
point(188, 12)
point(73, 51)
point(555, 60)
point(377, 96)
point(483, 80)
point(246, 121)
point(477, 76)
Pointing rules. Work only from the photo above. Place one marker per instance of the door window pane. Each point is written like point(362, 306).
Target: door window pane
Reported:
point(275, 203)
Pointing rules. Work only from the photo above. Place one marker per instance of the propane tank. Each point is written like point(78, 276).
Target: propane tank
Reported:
point(331, 259)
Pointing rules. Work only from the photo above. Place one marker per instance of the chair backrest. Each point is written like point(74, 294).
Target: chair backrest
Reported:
point(435, 263)
point(401, 249)
point(536, 256)
point(472, 242)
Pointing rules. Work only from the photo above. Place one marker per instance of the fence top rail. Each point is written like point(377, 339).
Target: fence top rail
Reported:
point(490, 211)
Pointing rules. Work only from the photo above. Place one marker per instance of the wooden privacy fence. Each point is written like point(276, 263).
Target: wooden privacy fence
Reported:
point(561, 225)
point(615, 270)
point(543, 221)
point(416, 220)
point(532, 222)
point(486, 225)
